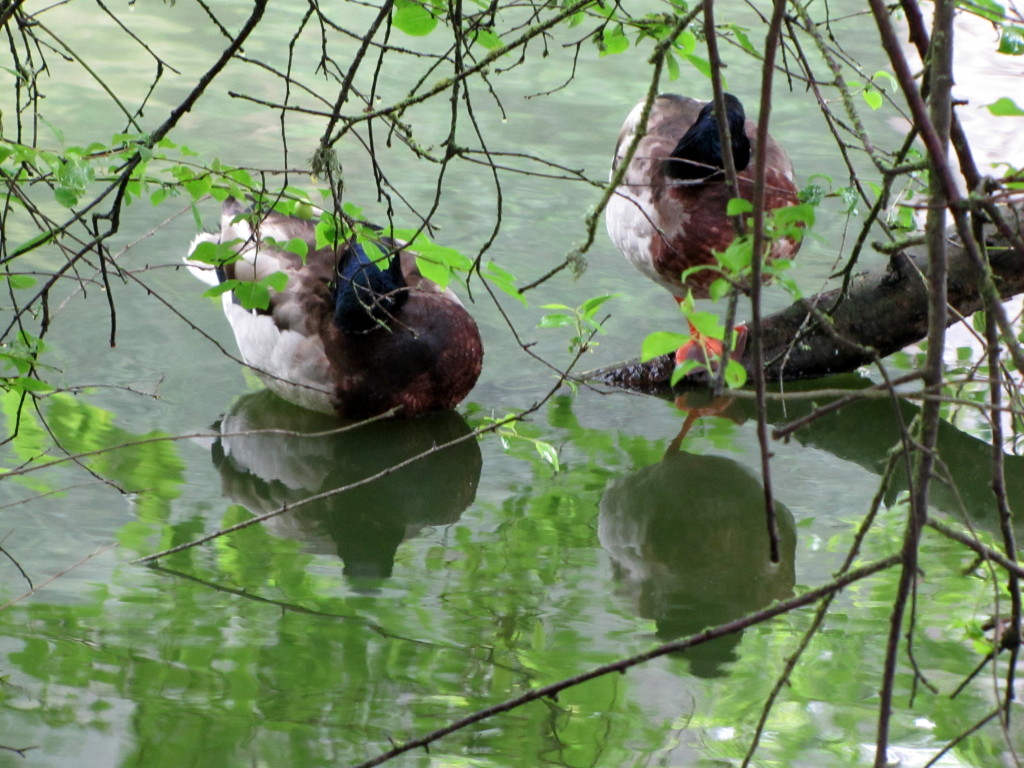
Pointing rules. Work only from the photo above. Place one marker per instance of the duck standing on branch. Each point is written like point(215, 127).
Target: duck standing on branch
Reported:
point(668, 216)
point(347, 333)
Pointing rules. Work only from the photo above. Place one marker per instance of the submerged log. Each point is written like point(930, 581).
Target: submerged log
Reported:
point(883, 311)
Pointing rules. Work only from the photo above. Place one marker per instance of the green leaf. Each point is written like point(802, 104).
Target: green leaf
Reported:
point(987, 9)
point(792, 221)
point(719, 289)
point(661, 343)
point(888, 78)
point(613, 40)
point(199, 187)
point(672, 65)
point(737, 256)
point(436, 262)
point(217, 290)
point(680, 371)
point(215, 253)
point(735, 374)
point(1005, 107)
point(488, 39)
point(64, 196)
point(686, 42)
point(556, 320)
point(298, 246)
point(253, 295)
point(590, 306)
point(743, 40)
point(28, 384)
point(21, 282)
point(978, 321)
point(504, 281)
point(739, 205)
point(413, 18)
point(1011, 41)
point(241, 176)
point(326, 232)
point(434, 271)
point(34, 242)
point(707, 323)
point(702, 66)
point(872, 97)
point(277, 281)
point(548, 453)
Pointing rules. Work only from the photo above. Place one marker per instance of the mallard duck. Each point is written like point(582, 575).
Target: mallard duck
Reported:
point(669, 213)
point(344, 335)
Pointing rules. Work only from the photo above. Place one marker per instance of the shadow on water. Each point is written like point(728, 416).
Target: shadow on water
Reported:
point(864, 431)
point(689, 545)
point(364, 525)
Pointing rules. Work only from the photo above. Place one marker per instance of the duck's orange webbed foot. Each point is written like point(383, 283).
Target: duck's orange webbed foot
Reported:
point(707, 352)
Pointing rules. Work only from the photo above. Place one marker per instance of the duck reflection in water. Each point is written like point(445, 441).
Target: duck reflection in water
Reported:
point(364, 525)
point(689, 545)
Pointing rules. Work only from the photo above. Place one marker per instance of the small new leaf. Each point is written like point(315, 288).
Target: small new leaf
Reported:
point(1005, 107)
point(548, 453)
point(738, 205)
point(413, 18)
point(735, 374)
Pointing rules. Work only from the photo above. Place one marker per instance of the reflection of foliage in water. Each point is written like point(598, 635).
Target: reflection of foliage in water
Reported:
point(255, 625)
point(144, 465)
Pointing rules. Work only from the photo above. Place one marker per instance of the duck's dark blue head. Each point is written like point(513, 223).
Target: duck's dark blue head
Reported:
point(367, 296)
point(701, 145)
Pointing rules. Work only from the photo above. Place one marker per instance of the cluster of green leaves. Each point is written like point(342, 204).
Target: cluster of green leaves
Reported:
point(143, 464)
point(735, 266)
point(19, 359)
point(513, 433)
point(612, 37)
point(872, 90)
point(418, 18)
point(581, 319)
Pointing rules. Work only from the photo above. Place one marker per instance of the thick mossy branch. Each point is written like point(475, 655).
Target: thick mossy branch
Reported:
point(884, 311)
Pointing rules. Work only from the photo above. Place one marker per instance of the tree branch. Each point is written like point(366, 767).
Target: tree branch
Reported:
point(885, 310)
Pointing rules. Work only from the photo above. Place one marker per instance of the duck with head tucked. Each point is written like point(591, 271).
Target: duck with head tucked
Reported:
point(349, 333)
point(668, 215)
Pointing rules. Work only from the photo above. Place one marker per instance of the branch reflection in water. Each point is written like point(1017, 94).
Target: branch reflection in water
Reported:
point(364, 525)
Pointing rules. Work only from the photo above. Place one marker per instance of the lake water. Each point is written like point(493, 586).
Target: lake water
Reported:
point(480, 573)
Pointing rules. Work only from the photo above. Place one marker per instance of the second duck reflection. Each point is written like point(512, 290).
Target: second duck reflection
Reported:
point(689, 544)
